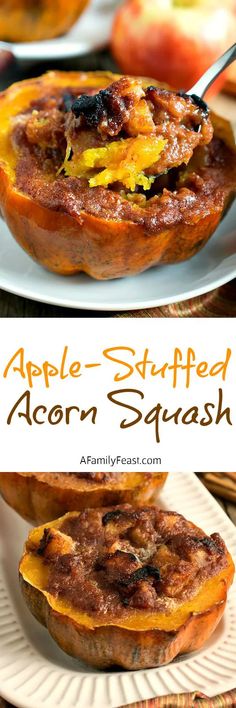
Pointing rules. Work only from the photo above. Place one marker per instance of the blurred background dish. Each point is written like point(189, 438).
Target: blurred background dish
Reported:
point(91, 31)
point(26, 21)
point(173, 41)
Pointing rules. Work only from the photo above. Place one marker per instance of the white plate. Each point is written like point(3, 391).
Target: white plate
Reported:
point(92, 31)
point(35, 673)
point(213, 266)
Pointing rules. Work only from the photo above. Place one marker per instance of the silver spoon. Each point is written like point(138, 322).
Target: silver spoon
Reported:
point(199, 89)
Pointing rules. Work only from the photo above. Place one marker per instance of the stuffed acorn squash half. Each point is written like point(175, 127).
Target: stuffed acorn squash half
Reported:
point(111, 175)
point(126, 586)
point(33, 20)
point(42, 496)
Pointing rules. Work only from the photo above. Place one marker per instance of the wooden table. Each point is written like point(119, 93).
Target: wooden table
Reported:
point(220, 303)
point(229, 508)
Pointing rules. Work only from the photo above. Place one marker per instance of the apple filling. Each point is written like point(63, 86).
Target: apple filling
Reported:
point(123, 137)
point(113, 560)
point(135, 134)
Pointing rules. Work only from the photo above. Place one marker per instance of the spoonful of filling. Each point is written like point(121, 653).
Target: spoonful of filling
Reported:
point(124, 136)
point(129, 134)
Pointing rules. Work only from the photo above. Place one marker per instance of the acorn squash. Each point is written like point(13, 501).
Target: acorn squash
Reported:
point(111, 175)
point(33, 20)
point(42, 496)
point(126, 586)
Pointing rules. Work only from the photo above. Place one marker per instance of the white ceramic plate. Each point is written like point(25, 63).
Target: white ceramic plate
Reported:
point(213, 266)
point(35, 673)
point(92, 31)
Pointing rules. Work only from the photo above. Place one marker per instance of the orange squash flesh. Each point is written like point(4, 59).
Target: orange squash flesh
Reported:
point(143, 639)
point(41, 497)
point(102, 246)
point(33, 20)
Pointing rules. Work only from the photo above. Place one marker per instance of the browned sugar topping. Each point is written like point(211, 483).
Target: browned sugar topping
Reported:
point(111, 110)
point(96, 476)
point(125, 558)
point(124, 110)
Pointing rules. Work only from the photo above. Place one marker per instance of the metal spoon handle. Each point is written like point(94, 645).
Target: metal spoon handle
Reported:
point(211, 74)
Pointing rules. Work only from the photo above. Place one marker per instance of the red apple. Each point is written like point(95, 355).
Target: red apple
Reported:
point(173, 41)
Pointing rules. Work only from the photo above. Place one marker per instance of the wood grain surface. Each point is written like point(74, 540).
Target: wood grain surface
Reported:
point(219, 483)
point(222, 484)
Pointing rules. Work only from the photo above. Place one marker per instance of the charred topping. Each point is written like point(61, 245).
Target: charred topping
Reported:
point(142, 573)
point(200, 103)
point(100, 564)
point(44, 541)
point(107, 105)
point(150, 89)
point(113, 516)
point(195, 99)
point(70, 95)
point(147, 571)
point(92, 108)
point(128, 555)
point(208, 543)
